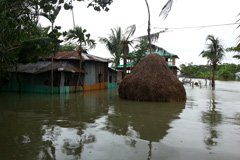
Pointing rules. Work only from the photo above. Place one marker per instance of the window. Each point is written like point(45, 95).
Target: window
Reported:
point(66, 82)
point(110, 79)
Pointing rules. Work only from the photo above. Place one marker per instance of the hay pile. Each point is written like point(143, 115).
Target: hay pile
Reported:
point(152, 80)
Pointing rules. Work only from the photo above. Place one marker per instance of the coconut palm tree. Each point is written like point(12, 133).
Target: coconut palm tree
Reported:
point(84, 41)
point(214, 54)
point(126, 42)
point(118, 43)
point(113, 43)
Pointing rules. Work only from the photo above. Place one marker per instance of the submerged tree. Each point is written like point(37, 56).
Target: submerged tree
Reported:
point(214, 54)
point(83, 41)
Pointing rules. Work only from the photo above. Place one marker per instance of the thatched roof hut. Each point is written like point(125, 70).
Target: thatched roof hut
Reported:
point(152, 80)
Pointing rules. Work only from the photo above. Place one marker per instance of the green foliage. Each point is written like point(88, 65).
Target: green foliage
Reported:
point(68, 47)
point(140, 52)
point(33, 50)
point(114, 44)
point(21, 39)
point(223, 72)
point(236, 50)
point(225, 75)
point(82, 38)
point(193, 71)
point(214, 54)
point(98, 5)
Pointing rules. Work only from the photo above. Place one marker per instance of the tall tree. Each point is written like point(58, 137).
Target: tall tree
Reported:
point(113, 44)
point(84, 42)
point(126, 42)
point(19, 20)
point(51, 13)
point(118, 43)
point(214, 54)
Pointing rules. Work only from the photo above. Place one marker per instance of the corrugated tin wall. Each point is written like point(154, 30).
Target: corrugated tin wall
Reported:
point(96, 72)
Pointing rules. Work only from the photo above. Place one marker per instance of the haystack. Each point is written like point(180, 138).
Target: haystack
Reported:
point(152, 80)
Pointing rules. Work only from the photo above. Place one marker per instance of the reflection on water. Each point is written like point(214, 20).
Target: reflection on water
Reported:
point(98, 125)
point(212, 119)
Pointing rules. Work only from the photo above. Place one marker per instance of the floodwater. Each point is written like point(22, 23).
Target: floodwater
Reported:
point(97, 125)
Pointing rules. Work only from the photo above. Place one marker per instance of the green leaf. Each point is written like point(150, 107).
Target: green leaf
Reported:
point(106, 9)
point(96, 8)
point(67, 6)
point(58, 27)
point(64, 33)
point(61, 1)
point(54, 1)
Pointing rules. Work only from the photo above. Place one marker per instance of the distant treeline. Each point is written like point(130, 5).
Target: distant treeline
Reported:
point(223, 71)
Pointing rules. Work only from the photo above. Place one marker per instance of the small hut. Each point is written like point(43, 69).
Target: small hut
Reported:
point(152, 80)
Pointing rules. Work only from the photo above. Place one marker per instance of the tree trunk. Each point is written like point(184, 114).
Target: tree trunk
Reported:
point(79, 75)
point(124, 59)
point(52, 68)
point(52, 74)
point(149, 29)
point(213, 76)
point(18, 80)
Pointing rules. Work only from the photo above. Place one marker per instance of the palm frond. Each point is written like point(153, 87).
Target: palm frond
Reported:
point(166, 9)
point(154, 36)
point(130, 30)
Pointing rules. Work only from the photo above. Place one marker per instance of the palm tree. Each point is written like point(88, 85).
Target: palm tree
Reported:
point(118, 43)
point(126, 42)
point(113, 43)
point(214, 54)
point(83, 40)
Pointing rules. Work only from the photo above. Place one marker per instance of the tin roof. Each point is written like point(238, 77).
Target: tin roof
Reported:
point(163, 53)
point(121, 66)
point(74, 55)
point(44, 66)
point(130, 65)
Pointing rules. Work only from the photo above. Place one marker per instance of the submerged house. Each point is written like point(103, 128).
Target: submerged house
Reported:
point(168, 57)
point(36, 77)
point(112, 78)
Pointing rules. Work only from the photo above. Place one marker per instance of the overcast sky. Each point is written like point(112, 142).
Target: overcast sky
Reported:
point(187, 43)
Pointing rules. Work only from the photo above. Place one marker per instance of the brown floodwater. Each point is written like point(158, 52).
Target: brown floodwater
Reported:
point(97, 125)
